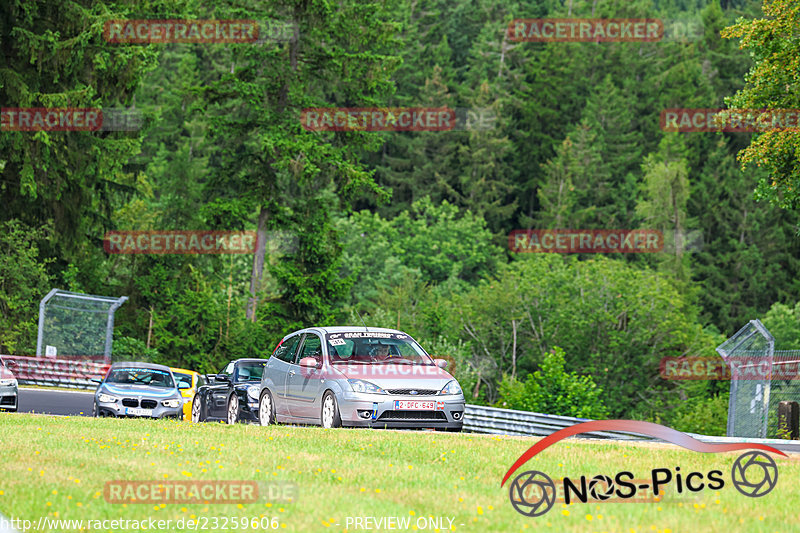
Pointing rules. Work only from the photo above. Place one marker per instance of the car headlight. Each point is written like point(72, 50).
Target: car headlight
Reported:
point(359, 385)
point(171, 403)
point(106, 398)
point(452, 387)
point(252, 392)
point(7, 382)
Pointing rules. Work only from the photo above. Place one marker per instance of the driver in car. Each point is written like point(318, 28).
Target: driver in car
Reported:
point(381, 352)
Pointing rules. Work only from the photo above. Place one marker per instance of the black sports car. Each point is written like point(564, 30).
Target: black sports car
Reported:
point(232, 394)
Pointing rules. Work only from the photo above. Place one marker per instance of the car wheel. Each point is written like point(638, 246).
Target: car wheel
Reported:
point(265, 410)
point(197, 410)
point(233, 409)
point(330, 412)
point(94, 410)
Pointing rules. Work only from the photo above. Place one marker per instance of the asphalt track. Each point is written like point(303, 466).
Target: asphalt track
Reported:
point(56, 402)
point(79, 403)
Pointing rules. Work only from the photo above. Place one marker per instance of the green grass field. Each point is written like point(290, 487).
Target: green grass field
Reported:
point(57, 468)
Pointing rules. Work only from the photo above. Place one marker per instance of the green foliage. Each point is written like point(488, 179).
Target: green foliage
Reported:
point(771, 83)
point(555, 391)
point(426, 244)
point(614, 320)
point(783, 321)
point(704, 415)
point(23, 283)
point(130, 349)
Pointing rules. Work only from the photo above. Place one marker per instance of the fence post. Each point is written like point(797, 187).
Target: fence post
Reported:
point(789, 420)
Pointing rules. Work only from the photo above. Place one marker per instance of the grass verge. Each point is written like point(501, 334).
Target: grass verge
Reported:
point(58, 467)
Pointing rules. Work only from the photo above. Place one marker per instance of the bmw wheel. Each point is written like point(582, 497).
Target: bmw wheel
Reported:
point(233, 409)
point(330, 412)
point(265, 412)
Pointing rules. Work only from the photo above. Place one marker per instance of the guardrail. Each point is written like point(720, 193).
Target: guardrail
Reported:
point(494, 420)
point(69, 373)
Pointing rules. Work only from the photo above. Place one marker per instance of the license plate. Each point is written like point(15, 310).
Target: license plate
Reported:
point(138, 412)
point(414, 405)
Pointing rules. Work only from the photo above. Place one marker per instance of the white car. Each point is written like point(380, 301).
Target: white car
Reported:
point(9, 390)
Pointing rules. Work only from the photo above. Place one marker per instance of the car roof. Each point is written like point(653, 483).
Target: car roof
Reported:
point(342, 329)
point(151, 366)
point(250, 360)
point(184, 370)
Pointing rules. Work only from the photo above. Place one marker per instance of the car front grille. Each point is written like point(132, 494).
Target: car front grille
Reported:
point(432, 416)
point(130, 402)
point(416, 392)
point(7, 400)
point(149, 404)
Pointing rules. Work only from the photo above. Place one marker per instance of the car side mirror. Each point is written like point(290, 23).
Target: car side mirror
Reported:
point(95, 380)
point(184, 385)
point(222, 377)
point(441, 363)
point(308, 362)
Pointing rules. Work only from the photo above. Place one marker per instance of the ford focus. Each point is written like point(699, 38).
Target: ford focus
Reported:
point(358, 377)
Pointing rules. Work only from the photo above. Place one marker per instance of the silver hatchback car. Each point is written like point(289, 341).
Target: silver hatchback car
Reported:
point(358, 377)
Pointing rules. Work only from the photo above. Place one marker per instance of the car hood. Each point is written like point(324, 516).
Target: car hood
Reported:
point(397, 376)
point(124, 389)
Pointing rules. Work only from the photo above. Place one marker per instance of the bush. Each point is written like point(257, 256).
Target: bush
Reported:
point(707, 416)
point(554, 391)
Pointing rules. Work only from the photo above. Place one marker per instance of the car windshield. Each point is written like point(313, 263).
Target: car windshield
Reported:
point(183, 378)
point(376, 348)
point(141, 376)
point(251, 371)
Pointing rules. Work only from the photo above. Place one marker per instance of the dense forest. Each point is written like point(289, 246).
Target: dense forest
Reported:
point(405, 229)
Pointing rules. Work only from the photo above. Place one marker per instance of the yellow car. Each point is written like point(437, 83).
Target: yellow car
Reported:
point(194, 380)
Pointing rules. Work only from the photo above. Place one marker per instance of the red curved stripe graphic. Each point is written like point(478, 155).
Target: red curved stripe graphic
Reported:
point(635, 426)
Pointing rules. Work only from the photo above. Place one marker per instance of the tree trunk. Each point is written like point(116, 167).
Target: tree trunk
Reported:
point(514, 350)
point(258, 263)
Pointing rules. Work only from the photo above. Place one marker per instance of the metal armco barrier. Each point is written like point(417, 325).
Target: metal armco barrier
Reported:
point(482, 419)
point(70, 373)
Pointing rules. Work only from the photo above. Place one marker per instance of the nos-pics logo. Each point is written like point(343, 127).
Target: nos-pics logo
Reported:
point(533, 493)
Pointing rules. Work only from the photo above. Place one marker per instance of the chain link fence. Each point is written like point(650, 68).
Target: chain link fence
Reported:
point(75, 325)
point(761, 378)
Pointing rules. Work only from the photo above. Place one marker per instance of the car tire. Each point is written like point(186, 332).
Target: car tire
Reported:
point(233, 409)
point(329, 417)
point(266, 410)
point(197, 410)
point(94, 410)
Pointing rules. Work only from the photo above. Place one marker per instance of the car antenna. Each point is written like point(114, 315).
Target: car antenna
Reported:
point(362, 321)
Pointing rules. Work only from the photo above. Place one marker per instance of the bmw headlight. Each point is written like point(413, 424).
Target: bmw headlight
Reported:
point(171, 403)
point(452, 387)
point(8, 382)
point(359, 385)
point(252, 392)
point(106, 398)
